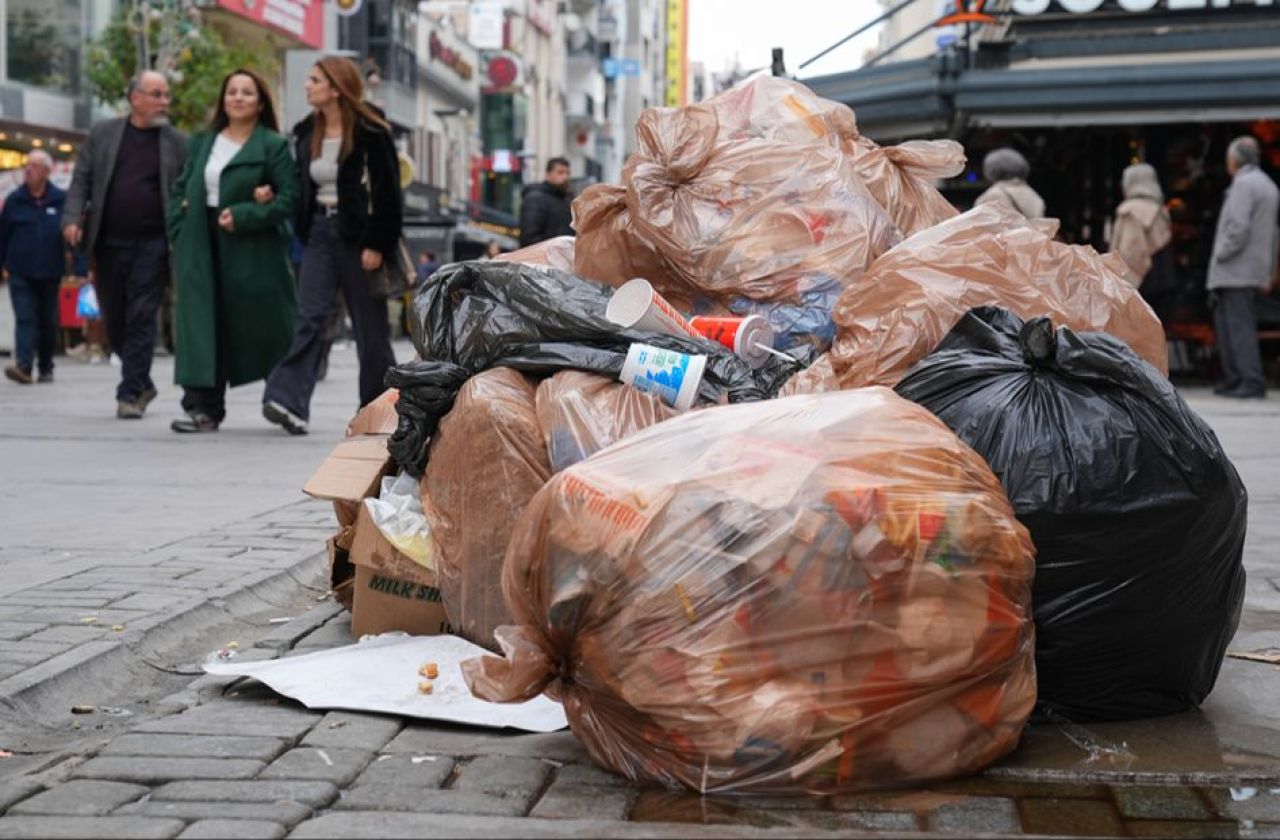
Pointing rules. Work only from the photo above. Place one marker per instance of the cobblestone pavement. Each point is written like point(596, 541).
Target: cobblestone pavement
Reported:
point(180, 755)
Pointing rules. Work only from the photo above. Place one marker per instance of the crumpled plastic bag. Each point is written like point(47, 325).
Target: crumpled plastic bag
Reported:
point(487, 461)
point(906, 303)
point(1137, 514)
point(397, 511)
point(608, 248)
point(472, 316)
point(899, 177)
point(748, 217)
point(581, 413)
point(556, 252)
point(815, 594)
point(87, 303)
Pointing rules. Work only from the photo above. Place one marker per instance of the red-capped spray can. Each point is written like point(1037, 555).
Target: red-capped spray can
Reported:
point(748, 337)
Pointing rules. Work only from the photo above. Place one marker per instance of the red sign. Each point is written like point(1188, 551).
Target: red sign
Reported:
point(449, 57)
point(302, 20)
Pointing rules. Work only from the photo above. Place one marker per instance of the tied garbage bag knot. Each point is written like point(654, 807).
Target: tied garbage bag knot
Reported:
point(427, 391)
point(1039, 341)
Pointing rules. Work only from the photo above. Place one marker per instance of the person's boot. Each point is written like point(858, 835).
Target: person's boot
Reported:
point(17, 374)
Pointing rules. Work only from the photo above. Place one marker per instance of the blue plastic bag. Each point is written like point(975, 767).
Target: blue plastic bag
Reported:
point(87, 304)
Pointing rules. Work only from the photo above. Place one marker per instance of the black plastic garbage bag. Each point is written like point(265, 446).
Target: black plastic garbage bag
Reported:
point(1137, 515)
point(478, 315)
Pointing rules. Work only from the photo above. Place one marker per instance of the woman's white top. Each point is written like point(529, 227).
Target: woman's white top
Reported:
point(219, 156)
point(324, 171)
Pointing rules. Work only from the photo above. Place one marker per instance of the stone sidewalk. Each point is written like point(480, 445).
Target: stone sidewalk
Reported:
point(180, 755)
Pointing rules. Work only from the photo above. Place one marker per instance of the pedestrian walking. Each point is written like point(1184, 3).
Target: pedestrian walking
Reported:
point(35, 259)
point(1242, 266)
point(546, 208)
point(427, 266)
point(235, 288)
point(115, 210)
point(1142, 228)
point(1008, 170)
point(350, 219)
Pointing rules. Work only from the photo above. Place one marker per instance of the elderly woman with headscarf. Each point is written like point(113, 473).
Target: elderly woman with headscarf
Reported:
point(1142, 227)
point(1007, 170)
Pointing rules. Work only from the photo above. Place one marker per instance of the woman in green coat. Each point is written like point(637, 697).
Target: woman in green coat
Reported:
point(228, 225)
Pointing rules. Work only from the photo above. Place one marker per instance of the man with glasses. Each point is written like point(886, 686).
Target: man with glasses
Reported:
point(115, 211)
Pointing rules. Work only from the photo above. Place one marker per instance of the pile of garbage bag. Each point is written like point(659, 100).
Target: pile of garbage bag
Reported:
point(706, 528)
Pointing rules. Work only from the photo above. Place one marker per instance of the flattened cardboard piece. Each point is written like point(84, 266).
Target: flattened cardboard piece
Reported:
point(380, 674)
point(352, 471)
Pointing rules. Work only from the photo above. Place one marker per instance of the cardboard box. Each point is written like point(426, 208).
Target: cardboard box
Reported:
point(353, 470)
point(391, 591)
point(341, 572)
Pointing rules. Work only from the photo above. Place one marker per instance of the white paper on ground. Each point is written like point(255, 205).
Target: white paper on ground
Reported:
point(380, 674)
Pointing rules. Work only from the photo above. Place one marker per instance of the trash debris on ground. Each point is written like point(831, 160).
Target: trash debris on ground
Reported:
point(814, 594)
point(380, 674)
point(1137, 515)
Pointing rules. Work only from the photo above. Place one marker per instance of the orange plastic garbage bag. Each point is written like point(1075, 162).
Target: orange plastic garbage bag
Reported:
point(751, 218)
point(487, 460)
point(899, 177)
point(557, 253)
point(815, 594)
point(906, 303)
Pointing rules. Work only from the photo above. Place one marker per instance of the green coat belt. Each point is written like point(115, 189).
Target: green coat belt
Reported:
point(243, 311)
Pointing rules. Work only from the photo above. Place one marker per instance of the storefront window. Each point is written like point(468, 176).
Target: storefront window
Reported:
point(44, 39)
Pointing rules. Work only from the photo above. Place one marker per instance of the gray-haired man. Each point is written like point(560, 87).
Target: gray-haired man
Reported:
point(115, 210)
point(1243, 263)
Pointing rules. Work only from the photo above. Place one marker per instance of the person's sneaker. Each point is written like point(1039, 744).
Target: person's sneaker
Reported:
point(18, 375)
point(128, 410)
point(45, 378)
point(194, 423)
point(1245, 393)
point(145, 398)
point(281, 416)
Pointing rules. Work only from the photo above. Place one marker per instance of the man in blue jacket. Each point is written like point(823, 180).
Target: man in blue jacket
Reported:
point(34, 257)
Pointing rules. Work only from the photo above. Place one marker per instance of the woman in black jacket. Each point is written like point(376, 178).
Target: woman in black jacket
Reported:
point(349, 220)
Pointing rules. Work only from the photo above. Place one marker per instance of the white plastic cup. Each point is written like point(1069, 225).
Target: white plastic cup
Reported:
point(672, 375)
point(636, 305)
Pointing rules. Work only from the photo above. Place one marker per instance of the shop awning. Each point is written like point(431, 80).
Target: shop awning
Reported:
point(928, 98)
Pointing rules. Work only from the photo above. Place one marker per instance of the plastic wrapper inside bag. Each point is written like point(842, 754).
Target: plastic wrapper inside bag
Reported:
point(1137, 515)
point(581, 413)
point(487, 461)
point(900, 178)
point(557, 253)
point(812, 594)
point(905, 305)
point(473, 316)
point(748, 218)
point(397, 511)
